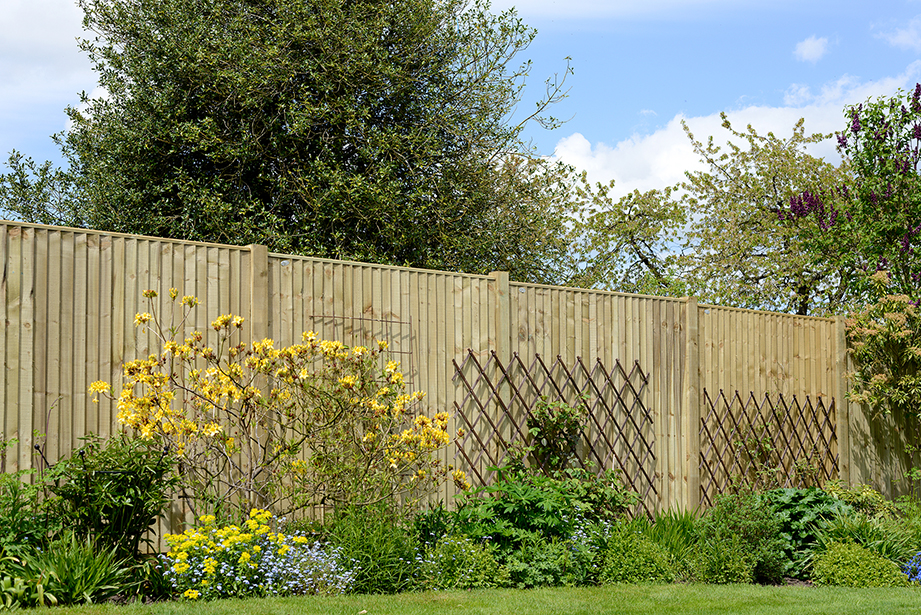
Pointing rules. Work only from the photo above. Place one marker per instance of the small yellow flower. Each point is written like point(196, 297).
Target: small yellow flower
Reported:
point(460, 480)
point(142, 319)
point(191, 594)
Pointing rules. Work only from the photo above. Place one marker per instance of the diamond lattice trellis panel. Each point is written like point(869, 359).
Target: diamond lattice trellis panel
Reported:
point(499, 397)
point(766, 443)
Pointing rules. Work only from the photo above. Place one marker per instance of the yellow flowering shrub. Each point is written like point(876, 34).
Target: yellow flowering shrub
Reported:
point(280, 428)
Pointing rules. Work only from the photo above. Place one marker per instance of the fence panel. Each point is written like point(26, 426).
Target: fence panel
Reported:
point(68, 297)
point(765, 443)
point(500, 399)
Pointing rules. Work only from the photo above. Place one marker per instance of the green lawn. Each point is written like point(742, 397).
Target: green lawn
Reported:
point(702, 599)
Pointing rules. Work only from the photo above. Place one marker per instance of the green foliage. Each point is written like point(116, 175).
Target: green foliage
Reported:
point(24, 523)
point(555, 428)
point(457, 562)
point(862, 498)
point(888, 538)
point(728, 560)
point(742, 529)
point(519, 505)
point(539, 561)
point(113, 491)
point(879, 222)
point(629, 245)
point(377, 546)
point(885, 341)
point(377, 132)
point(16, 592)
point(852, 565)
point(803, 514)
point(676, 532)
point(631, 557)
point(76, 571)
point(38, 193)
point(745, 250)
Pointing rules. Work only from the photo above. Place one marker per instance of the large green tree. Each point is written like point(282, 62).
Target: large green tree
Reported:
point(743, 248)
point(725, 234)
point(357, 129)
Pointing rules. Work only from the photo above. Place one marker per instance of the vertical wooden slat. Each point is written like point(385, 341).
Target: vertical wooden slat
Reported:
point(41, 364)
point(692, 399)
point(26, 349)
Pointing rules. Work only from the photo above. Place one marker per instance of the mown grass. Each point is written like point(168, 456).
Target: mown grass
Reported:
point(627, 599)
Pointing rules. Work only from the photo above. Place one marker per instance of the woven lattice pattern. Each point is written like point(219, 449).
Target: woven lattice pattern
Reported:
point(765, 443)
point(498, 398)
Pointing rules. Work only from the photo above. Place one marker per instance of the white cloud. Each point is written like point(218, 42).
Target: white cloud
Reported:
point(659, 159)
point(811, 50)
point(908, 37)
point(575, 9)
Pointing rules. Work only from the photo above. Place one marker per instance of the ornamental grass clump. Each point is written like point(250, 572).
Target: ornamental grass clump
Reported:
point(255, 426)
point(251, 560)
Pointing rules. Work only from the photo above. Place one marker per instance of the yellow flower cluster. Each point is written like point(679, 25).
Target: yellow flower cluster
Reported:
point(207, 542)
point(204, 401)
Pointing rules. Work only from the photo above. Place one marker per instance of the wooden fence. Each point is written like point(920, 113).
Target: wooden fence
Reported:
point(68, 298)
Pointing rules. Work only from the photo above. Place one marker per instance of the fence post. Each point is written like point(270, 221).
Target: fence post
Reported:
point(691, 424)
point(842, 409)
point(259, 291)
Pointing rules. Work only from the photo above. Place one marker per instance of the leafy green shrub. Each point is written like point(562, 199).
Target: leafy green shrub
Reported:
point(862, 498)
point(546, 562)
point(457, 562)
point(676, 532)
point(803, 513)
point(16, 592)
point(728, 560)
point(852, 565)
point(113, 491)
point(431, 525)
point(377, 546)
point(631, 557)
point(519, 505)
point(888, 538)
point(250, 560)
point(24, 523)
point(742, 526)
point(554, 428)
point(74, 570)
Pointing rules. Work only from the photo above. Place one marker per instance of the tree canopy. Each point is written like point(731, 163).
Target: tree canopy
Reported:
point(742, 247)
point(356, 129)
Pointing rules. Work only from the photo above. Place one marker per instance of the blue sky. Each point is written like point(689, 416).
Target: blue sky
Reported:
point(640, 67)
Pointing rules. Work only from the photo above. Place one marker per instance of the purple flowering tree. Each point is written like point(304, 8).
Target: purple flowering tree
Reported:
point(876, 223)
